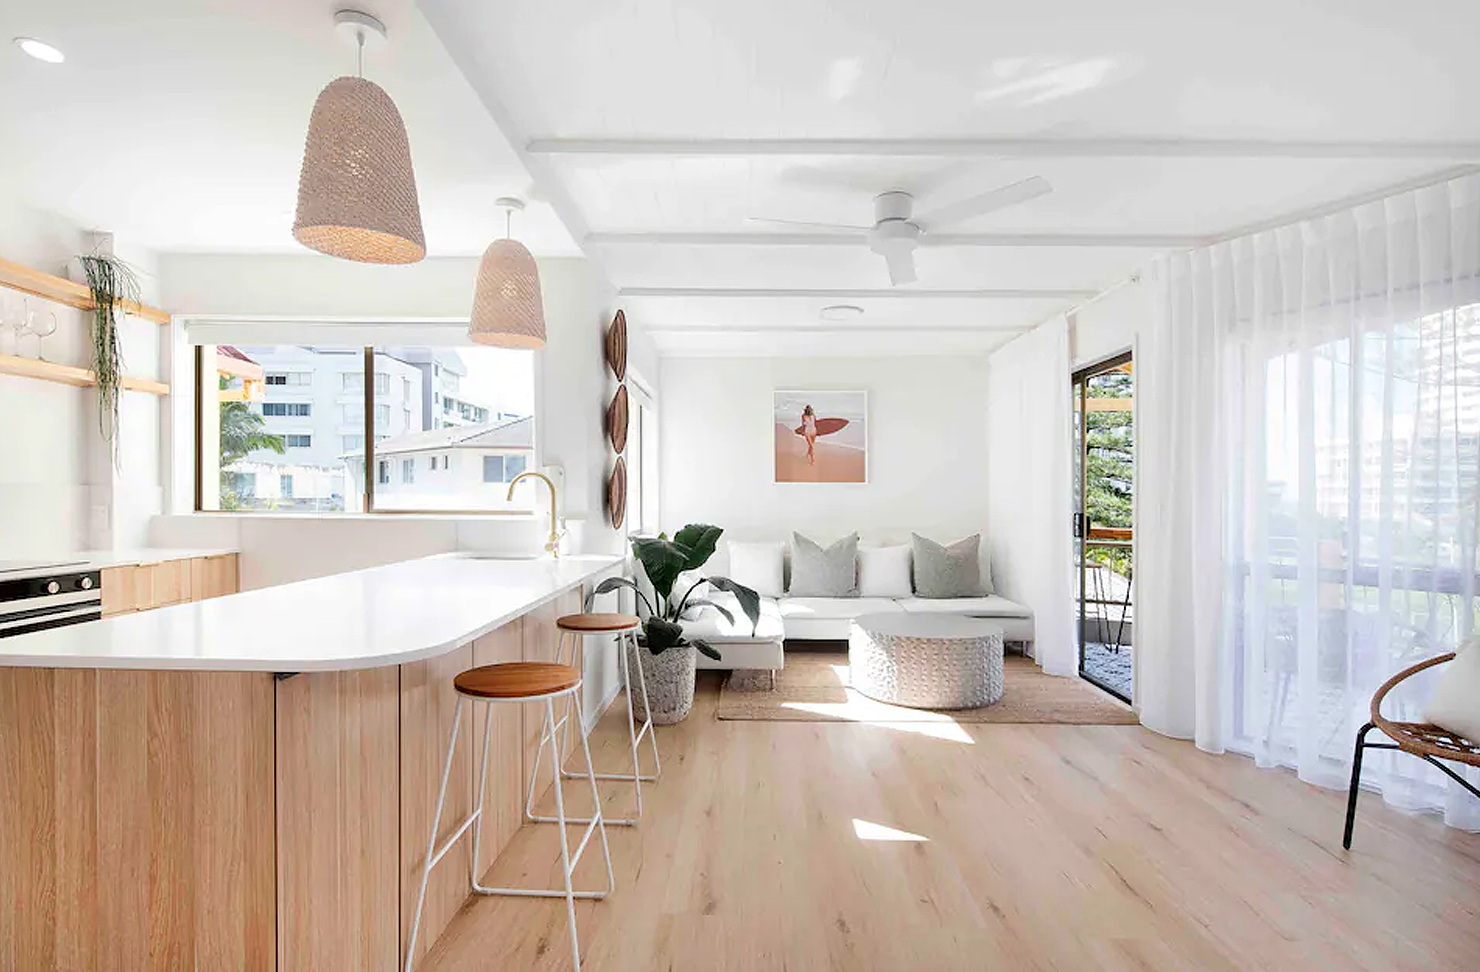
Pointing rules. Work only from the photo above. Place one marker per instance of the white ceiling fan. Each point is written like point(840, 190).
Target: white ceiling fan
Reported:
point(897, 230)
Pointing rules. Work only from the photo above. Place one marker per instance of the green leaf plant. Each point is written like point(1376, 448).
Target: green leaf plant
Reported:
point(664, 560)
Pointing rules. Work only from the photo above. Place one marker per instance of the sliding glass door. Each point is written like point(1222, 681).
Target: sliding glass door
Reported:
point(1104, 535)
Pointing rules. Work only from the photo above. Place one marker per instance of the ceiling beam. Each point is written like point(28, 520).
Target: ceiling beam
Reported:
point(863, 294)
point(1159, 148)
point(1131, 241)
point(852, 328)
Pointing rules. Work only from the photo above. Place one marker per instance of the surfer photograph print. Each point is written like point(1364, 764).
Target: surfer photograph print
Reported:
point(821, 436)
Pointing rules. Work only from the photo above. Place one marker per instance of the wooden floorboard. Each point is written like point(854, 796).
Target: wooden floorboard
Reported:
point(1045, 848)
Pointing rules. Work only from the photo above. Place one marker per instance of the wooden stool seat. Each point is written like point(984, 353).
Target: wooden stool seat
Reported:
point(598, 623)
point(517, 680)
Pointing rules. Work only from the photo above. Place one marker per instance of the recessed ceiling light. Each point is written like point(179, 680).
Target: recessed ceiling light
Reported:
point(841, 312)
point(40, 50)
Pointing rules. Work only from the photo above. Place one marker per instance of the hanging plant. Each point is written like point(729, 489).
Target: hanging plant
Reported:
point(111, 282)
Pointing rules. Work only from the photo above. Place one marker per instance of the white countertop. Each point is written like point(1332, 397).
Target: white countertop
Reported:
point(387, 615)
point(98, 559)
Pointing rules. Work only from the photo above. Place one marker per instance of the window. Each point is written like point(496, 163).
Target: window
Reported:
point(319, 462)
point(642, 464)
point(294, 409)
point(502, 469)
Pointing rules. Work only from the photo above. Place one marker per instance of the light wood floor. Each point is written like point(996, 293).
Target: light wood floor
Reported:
point(1047, 847)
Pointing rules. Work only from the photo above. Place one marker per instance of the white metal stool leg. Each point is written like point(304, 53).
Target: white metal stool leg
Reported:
point(568, 859)
point(634, 734)
point(432, 857)
point(647, 726)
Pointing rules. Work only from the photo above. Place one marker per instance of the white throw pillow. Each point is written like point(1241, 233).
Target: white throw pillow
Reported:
point(759, 566)
point(1455, 704)
point(884, 571)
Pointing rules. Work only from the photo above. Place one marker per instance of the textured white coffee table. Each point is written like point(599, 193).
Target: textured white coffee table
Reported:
point(926, 661)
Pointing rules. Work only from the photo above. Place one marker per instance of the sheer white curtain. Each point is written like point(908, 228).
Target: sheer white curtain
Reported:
point(1030, 435)
point(1310, 409)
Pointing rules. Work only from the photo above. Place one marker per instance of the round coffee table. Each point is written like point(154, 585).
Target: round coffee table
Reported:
point(926, 661)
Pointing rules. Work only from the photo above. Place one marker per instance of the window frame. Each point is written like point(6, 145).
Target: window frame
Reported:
point(371, 435)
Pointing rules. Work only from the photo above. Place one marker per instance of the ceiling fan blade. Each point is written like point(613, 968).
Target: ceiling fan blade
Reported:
point(1018, 192)
point(901, 264)
point(810, 224)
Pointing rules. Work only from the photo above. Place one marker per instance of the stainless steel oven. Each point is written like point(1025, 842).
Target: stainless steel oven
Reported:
point(35, 596)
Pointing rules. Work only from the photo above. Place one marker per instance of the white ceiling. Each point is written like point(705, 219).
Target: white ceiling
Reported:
point(646, 132)
point(179, 124)
point(640, 121)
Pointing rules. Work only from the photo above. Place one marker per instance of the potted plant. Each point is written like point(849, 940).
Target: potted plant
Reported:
point(666, 655)
point(112, 282)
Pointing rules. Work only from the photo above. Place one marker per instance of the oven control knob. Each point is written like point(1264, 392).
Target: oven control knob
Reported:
point(52, 587)
point(85, 583)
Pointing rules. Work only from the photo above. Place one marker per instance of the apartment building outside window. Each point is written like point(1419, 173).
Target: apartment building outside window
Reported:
point(291, 427)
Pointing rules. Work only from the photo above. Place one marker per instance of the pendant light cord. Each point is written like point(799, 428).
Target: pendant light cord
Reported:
point(508, 224)
point(360, 52)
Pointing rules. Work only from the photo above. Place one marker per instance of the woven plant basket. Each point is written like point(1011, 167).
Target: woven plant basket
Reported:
point(670, 683)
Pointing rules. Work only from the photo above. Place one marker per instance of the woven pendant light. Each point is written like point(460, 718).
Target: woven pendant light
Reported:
point(508, 311)
point(357, 192)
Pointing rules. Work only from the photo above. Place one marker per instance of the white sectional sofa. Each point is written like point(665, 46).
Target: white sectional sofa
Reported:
point(785, 618)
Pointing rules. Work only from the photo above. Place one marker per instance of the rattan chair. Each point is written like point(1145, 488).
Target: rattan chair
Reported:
point(1424, 740)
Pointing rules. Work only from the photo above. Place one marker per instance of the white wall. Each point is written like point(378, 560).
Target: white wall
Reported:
point(927, 448)
point(59, 491)
point(1109, 325)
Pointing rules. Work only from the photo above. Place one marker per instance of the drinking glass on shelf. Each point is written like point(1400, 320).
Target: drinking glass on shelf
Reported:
point(42, 324)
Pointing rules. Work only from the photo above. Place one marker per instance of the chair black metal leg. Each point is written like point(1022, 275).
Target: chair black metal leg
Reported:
point(1351, 797)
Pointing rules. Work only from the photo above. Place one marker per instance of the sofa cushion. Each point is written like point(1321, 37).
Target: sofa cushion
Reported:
point(759, 566)
point(884, 571)
point(823, 572)
point(947, 571)
point(1455, 704)
point(835, 608)
point(710, 625)
point(990, 606)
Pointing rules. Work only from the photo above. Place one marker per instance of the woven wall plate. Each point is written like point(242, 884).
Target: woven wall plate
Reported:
point(616, 494)
point(616, 420)
point(616, 346)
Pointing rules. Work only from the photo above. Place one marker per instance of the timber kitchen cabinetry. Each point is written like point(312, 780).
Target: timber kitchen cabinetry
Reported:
point(141, 587)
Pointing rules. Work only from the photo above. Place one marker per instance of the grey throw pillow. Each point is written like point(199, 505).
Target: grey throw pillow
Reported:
point(816, 572)
point(953, 571)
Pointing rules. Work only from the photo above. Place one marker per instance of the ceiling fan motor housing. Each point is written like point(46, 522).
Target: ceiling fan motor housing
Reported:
point(893, 235)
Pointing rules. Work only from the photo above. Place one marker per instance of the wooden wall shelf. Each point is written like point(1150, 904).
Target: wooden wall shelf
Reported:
point(69, 292)
point(70, 375)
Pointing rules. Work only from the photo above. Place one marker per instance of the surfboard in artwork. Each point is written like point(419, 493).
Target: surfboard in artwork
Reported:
point(825, 426)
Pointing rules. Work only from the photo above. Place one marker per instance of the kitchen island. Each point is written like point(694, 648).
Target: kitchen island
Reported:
point(247, 782)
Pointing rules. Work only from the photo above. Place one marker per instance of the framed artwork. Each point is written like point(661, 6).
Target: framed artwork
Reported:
point(820, 436)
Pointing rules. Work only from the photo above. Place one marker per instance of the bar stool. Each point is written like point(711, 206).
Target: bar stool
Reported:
point(574, 628)
point(517, 682)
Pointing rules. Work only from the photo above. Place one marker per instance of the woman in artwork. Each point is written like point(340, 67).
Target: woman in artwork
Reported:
point(809, 432)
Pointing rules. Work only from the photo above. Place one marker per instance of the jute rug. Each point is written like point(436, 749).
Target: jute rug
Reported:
point(814, 688)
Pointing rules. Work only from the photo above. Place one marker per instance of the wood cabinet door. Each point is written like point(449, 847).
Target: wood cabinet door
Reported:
point(119, 590)
point(169, 583)
point(213, 576)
